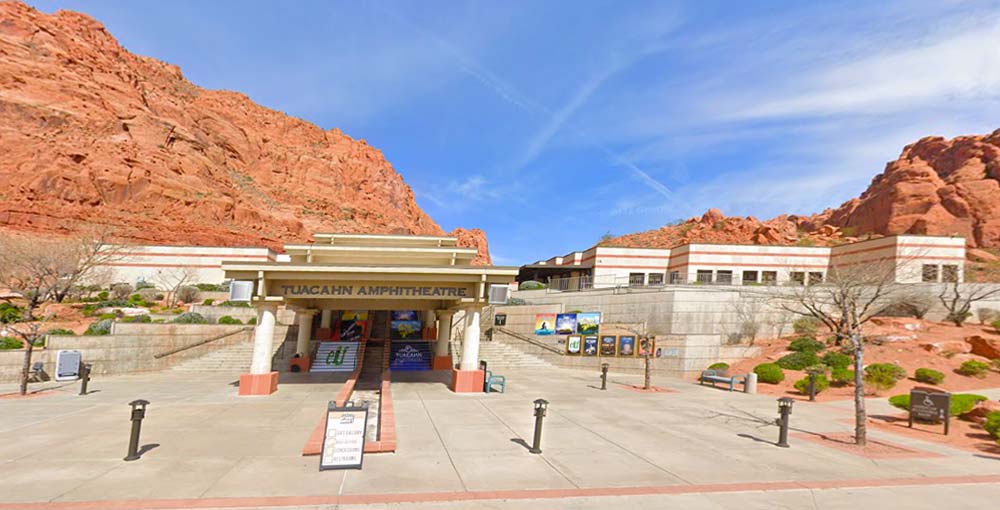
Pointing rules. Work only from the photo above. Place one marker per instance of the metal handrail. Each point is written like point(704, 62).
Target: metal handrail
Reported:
point(532, 341)
point(202, 342)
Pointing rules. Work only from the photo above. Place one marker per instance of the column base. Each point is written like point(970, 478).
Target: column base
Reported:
point(258, 384)
point(304, 364)
point(442, 363)
point(467, 381)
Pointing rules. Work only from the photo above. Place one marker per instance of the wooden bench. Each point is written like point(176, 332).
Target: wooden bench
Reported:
point(492, 380)
point(714, 376)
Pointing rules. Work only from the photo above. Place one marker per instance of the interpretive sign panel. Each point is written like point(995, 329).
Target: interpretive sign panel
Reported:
point(344, 436)
point(68, 365)
point(930, 406)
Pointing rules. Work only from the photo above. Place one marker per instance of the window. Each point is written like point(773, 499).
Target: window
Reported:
point(724, 277)
point(749, 277)
point(769, 277)
point(656, 278)
point(949, 273)
point(815, 278)
point(704, 276)
point(798, 278)
point(675, 277)
point(930, 273)
point(636, 279)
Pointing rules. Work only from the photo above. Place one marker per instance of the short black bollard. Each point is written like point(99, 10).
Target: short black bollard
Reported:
point(604, 375)
point(84, 377)
point(784, 410)
point(486, 380)
point(138, 413)
point(540, 406)
point(812, 386)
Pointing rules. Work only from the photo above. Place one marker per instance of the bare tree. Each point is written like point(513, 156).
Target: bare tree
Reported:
point(42, 271)
point(851, 295)
point(172, 279)
point(89, 255)
point(749, 312)
point(957, 298)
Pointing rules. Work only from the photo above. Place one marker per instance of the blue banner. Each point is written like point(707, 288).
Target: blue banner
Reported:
point(410, 356)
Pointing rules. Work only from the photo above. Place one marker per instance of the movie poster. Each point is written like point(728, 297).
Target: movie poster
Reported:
point(626, 345)
point(566, 324)
point(573, 344)
point(609, 345)
point(351, 330)
point(590, 346)
point(545, 324)
point(405, 325)
point(588, 323)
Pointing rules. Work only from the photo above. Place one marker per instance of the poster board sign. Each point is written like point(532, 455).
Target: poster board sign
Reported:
point(344, 436)
point(609, 345)
point(588, 323)
point(68, 365)
point(545, 324)
point(626, 345)
point(930, 406)
point(566, 324)
point(590, 345)
point(573, 344)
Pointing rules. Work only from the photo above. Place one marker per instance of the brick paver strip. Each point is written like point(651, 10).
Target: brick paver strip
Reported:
point(431, 497)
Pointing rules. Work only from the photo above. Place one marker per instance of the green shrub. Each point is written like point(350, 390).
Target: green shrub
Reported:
point(928, 375)
point(121, 290)
point(252, 321)
point(60, 332)
point(961, 403)
point(806, 325)
point(144, 285)
point(237, 304)
point(996, 325)
point(719, 366)
point(531, 285)
point(7, 343)
point(822, 383)
point(226, 319)
point(190, 318)
point(103, 295)
point(806, 344)
point(769, 373)
point(974, 368)
point(883, 376)
point(835, 360)
point(141, 319)
point(101, 327)
point(211, 287)
point(9, 313)
point(992, 424)
point(187, 294)
point(208, 302)
point(842, 376)
point(798, 360)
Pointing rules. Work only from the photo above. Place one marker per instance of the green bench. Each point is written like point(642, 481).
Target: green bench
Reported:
point(494, 380)
point(713, 377)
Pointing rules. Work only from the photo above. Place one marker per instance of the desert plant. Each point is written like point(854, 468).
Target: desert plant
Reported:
point(60, 332)
point(144, 285)
point(806, 325)
point(769, 373)
point(961, 403)
point(797, 360)
point(974, 368)
point(806, 344)
point(208, 302)
point(150, 295)
point(842, 376)
point(928, 375)
point(101, 327)
point(8, 343)
point(121, 290)
point(822, 383)
point(139, 319)
point(719, 366)
point(835, 360)
point(211, 287)
point(252, 320)
point(996, 325)
point(186, 294)
point(190, 318)
point(532, 285)
point(958, 298)
point(228, 319)
point(883, 376)
point(992, 425)
point(103, 295)
point(237, 304)
point(987, 315)
point(9, 313)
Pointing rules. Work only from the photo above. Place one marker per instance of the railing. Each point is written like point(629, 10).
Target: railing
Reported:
point(529, 340)
point(201, 342)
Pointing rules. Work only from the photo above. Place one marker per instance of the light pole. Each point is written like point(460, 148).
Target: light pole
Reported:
point(604, 375)
point(784, 410)
point(138, 413)
point(540, 406)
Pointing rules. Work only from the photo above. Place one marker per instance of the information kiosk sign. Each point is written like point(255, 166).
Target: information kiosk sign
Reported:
point(68, 365)
point(344, 436)
point(930, 406)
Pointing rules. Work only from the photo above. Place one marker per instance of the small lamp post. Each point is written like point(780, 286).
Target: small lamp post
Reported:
point(138, 413)
point(604, 375)
point(646, 348)
point(540, 406)
point(812, 386)
point(784, 410)
point(84, 377)
point(486, 382)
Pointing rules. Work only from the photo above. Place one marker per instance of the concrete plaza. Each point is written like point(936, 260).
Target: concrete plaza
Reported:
point(699, 447)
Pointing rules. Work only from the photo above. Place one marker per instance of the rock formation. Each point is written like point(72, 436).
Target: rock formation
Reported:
point(93, 134)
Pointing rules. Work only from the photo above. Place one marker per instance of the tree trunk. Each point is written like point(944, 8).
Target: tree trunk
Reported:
point(26, 369)
point(646, 383)
point(860, 416)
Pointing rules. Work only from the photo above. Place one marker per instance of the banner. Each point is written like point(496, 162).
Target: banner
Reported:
point(410, 355)
point(405, 325)
point(590, 346)
point(608, 345)
point(626, 345)
point(588, 323)
point(573, 344)
point(351, 331)
point(354, 315)
point(545, 324)
point(335, 357)
point(566, 324)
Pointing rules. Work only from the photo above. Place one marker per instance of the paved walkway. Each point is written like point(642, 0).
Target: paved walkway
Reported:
point(697, 447)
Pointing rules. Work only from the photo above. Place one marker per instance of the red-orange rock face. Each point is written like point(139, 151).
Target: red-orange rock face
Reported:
point(93, 134)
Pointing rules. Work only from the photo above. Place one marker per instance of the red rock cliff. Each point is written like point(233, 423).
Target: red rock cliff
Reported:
point(93, 134)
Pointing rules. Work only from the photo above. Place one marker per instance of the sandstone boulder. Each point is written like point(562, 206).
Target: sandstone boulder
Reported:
point(978, 413)
point(948, 347)
point(985, 347)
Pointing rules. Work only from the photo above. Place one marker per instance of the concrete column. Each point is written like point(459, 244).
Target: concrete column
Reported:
point(326, 318)
point(305, 332)
point(470, 345)
point(263, 339)
point(444, 318)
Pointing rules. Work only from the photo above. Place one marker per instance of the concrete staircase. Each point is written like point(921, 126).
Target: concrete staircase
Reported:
point(228, 358)
point(501, 355)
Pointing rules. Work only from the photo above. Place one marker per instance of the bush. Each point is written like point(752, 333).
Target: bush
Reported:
point(992, 424)
point(958, 318)
point(836, 360)
point(9, 313)
point(883, 376)
point(121, 290)
point(928, 375)
point(141, 319)
point(822, 383)
point(769, 373)
point(961, 403)
point(842, 377)
point(531, 285)
point(996, 325)
point(101, 327)
point(103, 295)
point(974, 368)
point(252, 321)
point(806, 325)
point(7, 343)
point(208, 302)
point(144, 285)
point(150, 295)
point(211, 287)
point(719, 366)
point(226, 319)
point(60, 332)
point(987, 315)
point(190, 318)
point(187, 294)
point(806, 344)
point(798, 360)
point(237, 304)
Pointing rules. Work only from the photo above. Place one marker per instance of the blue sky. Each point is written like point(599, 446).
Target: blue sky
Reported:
point(549, 123)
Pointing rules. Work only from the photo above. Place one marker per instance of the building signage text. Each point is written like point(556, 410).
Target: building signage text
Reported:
point(369, 291)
